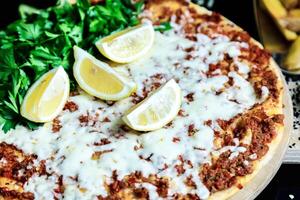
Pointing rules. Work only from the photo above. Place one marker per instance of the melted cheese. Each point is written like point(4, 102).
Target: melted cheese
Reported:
point(42, 187)
point(70, 151)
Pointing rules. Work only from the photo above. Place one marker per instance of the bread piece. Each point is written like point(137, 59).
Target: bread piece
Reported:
point(294, 12)
point(289, 4)
point(291, 23)
point(278, 12)
point(292, 60)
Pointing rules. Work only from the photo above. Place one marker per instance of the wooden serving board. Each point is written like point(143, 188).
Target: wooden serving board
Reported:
point(270, 168)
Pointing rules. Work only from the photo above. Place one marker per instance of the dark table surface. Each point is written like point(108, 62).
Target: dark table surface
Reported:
point(286, 183)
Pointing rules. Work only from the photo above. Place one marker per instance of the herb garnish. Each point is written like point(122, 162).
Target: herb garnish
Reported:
point(164, 26)
point(43, 39)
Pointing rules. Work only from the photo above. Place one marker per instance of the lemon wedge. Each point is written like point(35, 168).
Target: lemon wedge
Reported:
point(156, 110)
point(99, 79)
point(47, 96)
point(127, 45)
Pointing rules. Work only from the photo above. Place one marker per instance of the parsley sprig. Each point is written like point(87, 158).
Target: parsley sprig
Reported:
point(43, 39)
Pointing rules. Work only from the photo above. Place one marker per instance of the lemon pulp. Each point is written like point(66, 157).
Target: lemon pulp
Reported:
point(127, 45)
point(46, 97)
point(130, 45)
point(99, 79)
point(156, 110)
point(33, 101)
point(91, 74)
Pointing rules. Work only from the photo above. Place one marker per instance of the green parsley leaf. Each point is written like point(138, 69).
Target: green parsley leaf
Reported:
point(7, 60)
point(29, 31)
point(164, 26)
point(44, 38)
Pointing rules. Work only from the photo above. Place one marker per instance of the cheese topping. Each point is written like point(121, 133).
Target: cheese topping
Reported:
point(76, 152)
point(41, 186)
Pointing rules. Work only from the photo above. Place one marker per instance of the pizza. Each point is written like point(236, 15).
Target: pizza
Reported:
point(229, 125)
